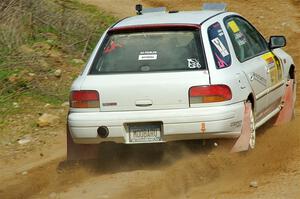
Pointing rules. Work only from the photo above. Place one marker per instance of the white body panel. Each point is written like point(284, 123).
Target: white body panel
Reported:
point(177, 123)
point(145, 91)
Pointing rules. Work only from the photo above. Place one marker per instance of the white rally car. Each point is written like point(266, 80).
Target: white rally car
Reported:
point(164, 76)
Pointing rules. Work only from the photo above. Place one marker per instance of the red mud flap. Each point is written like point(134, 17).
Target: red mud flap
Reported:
point(242, 143)
point(80, 151)
point(286, 113)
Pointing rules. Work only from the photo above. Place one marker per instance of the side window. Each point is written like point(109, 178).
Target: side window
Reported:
point(219, 46)
point(258, 43)
point(247, 42)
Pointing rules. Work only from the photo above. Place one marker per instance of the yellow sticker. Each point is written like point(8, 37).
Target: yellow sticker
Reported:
point(267, 57)
point(274, 66)
point(234, 27)
point(279, 69)
point(273, 73)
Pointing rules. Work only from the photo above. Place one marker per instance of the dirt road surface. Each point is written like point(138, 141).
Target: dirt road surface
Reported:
point(177, 170)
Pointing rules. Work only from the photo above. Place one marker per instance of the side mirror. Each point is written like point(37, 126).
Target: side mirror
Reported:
point(277, 42)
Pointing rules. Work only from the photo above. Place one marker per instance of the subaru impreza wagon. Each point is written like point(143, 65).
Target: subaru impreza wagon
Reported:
point(165, 76)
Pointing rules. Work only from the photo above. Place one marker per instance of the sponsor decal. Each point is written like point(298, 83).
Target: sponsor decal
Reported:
point(269, 58)
point(279, 68)
point(220, 32)
point(240, 38)
point(259, 79)
point(233, 26)
point(148, 55)
point(221, 63)
point(220, 46)
point(274, 66)
point(270, 62)
point(111, 47)
point(193, 63)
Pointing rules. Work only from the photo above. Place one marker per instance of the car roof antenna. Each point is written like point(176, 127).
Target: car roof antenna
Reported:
point(139, 9)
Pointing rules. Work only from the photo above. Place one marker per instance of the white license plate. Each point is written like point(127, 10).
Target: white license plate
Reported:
point(143, 133)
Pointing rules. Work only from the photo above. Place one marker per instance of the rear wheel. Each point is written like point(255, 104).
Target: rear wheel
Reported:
point(294, 92)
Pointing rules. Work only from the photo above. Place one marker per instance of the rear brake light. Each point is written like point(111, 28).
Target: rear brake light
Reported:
point(209, 94)
point(84, 99)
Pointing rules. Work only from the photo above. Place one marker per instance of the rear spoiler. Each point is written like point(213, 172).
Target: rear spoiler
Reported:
point(153, 27)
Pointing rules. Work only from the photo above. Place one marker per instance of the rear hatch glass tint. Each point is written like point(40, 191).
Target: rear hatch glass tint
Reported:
point(150, 51)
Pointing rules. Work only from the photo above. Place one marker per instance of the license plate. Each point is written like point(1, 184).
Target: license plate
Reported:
point(144, 132)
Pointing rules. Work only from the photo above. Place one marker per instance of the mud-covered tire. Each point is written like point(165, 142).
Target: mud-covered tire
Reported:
point(294, 96)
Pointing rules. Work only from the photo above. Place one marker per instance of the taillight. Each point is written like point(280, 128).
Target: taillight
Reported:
point(84, 99)
point(209, 94)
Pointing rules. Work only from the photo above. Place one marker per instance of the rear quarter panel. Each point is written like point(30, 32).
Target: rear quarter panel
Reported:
point(232, 75)
point(76, 85)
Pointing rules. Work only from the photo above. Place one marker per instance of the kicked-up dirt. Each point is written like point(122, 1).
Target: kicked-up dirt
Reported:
point(196, 169)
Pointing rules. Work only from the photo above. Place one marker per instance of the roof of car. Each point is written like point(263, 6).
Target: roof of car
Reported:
point(183, 17)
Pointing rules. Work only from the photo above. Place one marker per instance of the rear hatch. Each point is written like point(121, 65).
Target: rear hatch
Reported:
point(148, 68)
point(124, 92)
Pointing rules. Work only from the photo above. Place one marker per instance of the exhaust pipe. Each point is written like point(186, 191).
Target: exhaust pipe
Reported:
point(103, 131)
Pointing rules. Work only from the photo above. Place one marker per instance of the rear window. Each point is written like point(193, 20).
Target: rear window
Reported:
point(149, 52)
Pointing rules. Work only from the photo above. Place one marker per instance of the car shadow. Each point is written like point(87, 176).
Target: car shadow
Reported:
point(114, 158)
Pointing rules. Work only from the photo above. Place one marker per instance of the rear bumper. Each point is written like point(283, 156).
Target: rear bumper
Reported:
point(177, 124)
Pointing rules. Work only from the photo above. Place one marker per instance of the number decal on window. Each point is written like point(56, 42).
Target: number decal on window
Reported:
point(193, 63)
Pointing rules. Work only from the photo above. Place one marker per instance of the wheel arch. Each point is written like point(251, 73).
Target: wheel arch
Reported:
point(251, 99)
point(292, 72)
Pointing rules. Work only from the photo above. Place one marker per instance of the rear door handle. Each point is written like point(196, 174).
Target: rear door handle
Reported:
point(143, 103)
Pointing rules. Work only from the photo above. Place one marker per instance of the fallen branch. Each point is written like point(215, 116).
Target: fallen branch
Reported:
point(78, 42)
point(86, 45)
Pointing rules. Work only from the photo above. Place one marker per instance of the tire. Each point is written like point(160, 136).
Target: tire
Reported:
point(294, 93)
